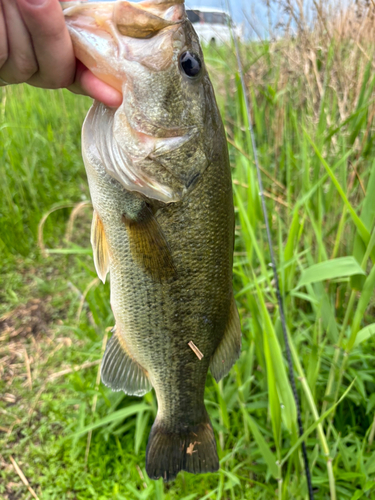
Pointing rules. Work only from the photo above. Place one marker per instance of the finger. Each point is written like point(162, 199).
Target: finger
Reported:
point(21, 62)
point(88, 84)
point(52, 44)
point(3, 38)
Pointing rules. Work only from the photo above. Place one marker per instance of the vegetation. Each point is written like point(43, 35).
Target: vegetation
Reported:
point(313, 113)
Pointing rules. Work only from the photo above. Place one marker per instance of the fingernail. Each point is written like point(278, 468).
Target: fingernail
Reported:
point(37, 3)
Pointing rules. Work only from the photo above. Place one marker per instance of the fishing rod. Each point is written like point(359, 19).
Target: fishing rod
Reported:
point(273, 261)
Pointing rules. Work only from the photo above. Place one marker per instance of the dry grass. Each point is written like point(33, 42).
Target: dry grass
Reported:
point(324, 48)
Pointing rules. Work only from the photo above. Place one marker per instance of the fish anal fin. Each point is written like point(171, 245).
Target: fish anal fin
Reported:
point(120, 371)
point(229, 349)
point(100, 247)
point(148, 245)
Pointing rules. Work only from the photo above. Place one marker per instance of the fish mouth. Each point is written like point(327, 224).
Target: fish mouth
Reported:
point(106, 35)
point(138, 20)
point(145, 19)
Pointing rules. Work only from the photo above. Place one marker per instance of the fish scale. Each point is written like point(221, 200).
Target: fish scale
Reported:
point(163, 225)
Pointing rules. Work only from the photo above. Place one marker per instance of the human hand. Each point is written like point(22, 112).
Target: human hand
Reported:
point(35, 47)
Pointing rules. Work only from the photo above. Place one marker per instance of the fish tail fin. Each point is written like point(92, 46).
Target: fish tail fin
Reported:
point(190, 448)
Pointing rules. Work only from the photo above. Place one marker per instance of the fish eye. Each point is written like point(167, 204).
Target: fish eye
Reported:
point(190, 64)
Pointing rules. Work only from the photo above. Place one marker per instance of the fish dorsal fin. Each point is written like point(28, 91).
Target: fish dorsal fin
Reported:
point(99, 247)
point(229, 349)
point(149, 246)
point(120, 371)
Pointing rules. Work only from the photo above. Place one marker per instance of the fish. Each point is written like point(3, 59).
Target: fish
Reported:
point(163, 223)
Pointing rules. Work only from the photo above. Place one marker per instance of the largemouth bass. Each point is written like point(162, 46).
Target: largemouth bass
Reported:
point(163, 224)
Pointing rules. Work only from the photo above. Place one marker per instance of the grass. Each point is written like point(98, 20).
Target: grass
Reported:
point(315, 134)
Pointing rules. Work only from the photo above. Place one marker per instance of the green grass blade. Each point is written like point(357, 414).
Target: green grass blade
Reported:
point(315, 425)
point(362, 230)
point(366, 333)
point(330, 269)
point(366, 296)
point(265, 450)
point(113, 417)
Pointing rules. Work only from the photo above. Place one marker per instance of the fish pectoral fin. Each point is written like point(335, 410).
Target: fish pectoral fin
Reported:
point(228, 351)
point(99, 247)
point(148, 245)
point(121, 372)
